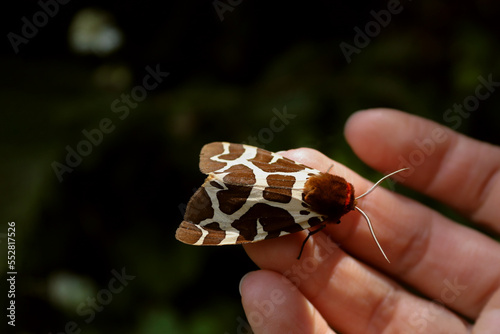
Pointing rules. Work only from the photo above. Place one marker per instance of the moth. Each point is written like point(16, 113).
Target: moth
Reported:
point(252, 194)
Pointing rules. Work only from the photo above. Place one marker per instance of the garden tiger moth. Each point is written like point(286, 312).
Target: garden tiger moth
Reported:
point(252, 194)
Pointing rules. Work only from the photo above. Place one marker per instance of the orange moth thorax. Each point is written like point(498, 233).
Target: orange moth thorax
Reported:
point(329, 195)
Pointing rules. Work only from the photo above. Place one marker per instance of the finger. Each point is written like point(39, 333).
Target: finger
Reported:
point(351, 297)
point(448, 262)
point(271, 306)
point(453, 168)
point(489, 320)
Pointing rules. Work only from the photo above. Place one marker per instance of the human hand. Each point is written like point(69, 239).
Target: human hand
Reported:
point(443, 277)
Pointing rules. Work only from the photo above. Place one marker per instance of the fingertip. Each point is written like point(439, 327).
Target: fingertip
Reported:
point(258, 285)
point(378, 136)
point(360, 121)
point(273, 305)
point(244, 283)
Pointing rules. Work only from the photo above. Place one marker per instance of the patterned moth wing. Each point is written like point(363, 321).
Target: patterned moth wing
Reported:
point(252, 194)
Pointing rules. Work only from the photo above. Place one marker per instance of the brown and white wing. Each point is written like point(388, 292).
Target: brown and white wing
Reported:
point(250, 194)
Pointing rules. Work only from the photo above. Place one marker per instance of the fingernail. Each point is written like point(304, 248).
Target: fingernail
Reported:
point(242, 279)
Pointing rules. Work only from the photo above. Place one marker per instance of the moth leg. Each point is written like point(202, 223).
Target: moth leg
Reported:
point(308, 236)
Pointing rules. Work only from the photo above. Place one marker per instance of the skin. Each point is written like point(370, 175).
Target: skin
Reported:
point(443, 277)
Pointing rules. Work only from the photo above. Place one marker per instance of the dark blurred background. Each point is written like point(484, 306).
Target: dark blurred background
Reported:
point(99, 156)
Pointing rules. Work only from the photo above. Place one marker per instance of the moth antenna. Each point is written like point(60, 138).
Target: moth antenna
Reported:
point(366, 216)
point(372, 232)
point(378, 182)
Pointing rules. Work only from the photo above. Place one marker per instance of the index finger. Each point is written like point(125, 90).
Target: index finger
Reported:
point(457, 170)
point(420, 242)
